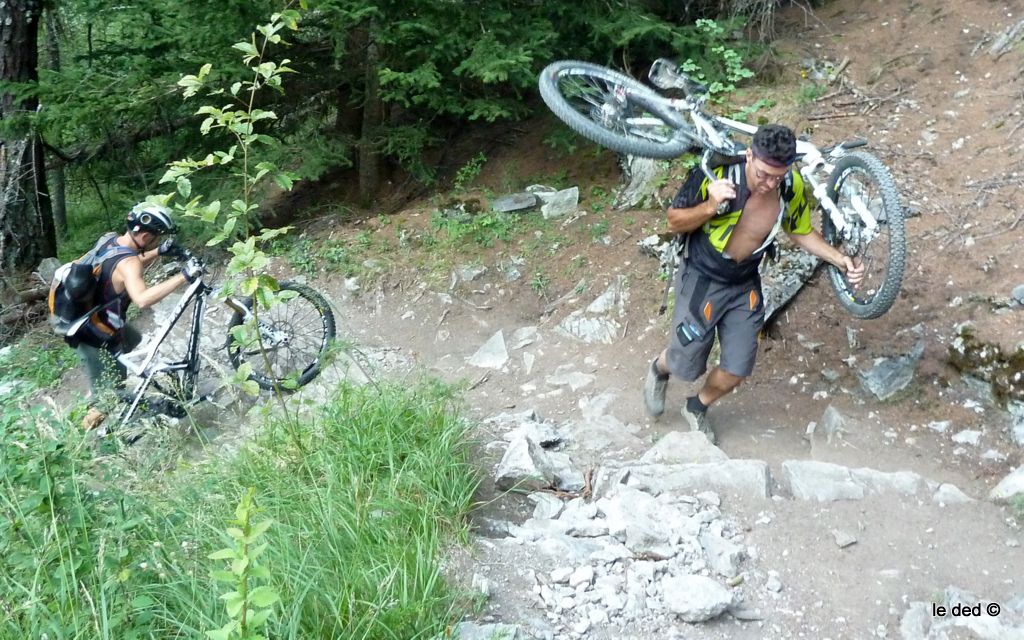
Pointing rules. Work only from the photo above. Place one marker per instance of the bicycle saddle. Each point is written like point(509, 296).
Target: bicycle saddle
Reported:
point(665, 74)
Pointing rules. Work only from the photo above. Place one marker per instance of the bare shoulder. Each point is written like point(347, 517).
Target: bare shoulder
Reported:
point(127, 269)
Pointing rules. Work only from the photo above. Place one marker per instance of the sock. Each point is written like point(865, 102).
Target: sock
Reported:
point(694, 404)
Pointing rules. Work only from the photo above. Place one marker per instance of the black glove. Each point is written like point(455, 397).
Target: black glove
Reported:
point(169, 247)
point(193, 269)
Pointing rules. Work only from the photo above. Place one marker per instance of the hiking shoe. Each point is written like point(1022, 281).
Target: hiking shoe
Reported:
point(698, 422)
point(654, 390)
point(93, 418)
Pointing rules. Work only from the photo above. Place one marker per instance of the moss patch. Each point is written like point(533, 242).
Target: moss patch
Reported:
point(989, 362)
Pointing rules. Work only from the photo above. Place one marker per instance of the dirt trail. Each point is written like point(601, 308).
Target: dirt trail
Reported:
point(937, 109)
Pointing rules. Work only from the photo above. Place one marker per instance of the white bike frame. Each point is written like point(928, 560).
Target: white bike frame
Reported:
point(812, 163)
point(143, 363)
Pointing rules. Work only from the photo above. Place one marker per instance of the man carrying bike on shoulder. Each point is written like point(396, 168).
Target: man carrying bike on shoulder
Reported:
point(119, 282)
point(719, 286)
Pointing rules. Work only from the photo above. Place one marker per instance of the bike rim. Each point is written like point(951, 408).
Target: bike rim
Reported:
point(294, 336)
point(612, 106)
point(874, 247)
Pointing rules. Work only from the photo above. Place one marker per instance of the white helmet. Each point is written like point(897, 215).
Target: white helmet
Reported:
point(154, 218)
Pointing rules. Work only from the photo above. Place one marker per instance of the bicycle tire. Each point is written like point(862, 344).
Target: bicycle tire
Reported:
point(612, 104)
point(856, 175)
point(310, 366)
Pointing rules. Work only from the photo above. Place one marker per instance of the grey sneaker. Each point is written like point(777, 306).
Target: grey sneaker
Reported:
point(698, 422)
point(654, 390)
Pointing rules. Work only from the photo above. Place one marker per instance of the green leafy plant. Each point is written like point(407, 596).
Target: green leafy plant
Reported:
point(562, 140)
point(809, 92)
point(723, 68)
point(468, 173)
point(1017, 505)
point(248, 606)
point(240, 119)
point(540, 283)
point(484, 228)
point(744, 114)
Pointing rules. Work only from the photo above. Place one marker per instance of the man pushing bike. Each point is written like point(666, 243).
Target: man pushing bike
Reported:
point(730, 223)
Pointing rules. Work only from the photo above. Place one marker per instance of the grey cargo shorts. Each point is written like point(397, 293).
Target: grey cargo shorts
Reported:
point(735, 311)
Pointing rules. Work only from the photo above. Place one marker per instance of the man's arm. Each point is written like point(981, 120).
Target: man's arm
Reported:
point(685, 219)
point(814, 244)
point(129, 271)
point(148, 257)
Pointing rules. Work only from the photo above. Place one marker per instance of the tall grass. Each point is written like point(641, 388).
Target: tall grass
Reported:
point(361, 522)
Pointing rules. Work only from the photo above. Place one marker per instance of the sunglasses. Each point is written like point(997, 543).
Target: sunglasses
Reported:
point(768, 177)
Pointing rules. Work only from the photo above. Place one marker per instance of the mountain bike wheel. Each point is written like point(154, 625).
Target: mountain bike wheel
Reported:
point(293, 336)
point(861, 179)
point(614, 110)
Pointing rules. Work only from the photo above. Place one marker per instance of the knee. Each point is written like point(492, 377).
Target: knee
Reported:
point(727, 381)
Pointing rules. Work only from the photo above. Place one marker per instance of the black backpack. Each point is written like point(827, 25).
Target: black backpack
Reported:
point(74, 294)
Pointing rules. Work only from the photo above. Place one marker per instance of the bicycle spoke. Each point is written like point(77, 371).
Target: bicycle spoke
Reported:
point(294, 335)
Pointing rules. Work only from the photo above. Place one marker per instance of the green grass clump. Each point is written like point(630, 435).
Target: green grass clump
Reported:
point(39, 359)
point(363, 499)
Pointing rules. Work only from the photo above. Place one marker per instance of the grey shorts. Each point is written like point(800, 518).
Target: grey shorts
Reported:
point(734, 311)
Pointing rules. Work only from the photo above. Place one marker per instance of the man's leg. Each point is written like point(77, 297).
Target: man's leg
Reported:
point(738, 331)
point(718, 383)
point(686, 361)
point(130, 339)
point(102, 367)
point(92, 360)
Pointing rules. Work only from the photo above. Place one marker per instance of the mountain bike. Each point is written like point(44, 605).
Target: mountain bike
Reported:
point(862, 215)
point(285, 349)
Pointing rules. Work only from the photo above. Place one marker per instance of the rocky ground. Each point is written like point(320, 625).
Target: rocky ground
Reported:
point(864, 476)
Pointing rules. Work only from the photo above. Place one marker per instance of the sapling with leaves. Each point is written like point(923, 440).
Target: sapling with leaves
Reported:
point(243, 123)
point(249, 605)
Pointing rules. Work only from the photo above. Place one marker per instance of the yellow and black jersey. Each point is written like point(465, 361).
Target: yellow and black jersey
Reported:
point(707, 245)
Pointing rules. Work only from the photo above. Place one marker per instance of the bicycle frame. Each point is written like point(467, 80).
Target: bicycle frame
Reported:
point(142, 361)
point(710, 135)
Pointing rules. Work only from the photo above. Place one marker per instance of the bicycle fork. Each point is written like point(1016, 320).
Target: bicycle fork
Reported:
point(813, 161)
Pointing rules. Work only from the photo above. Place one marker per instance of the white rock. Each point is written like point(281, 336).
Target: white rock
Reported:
point(683, 447)
point(724, 555)
point(967, 436)
point(561, 575)
point(950, 494)
point(524, 466)
point(695, 598)
point(473, 631)
point(481, 585)
point(548, 506)
point(1010, 487)
point(575, 380)
point(582, 575)
point(523, 336)
point(843, 538)
point(492, 354)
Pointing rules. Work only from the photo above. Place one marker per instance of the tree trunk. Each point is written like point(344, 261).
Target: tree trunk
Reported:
point(369, 153)
point(57, 189)
point(26, 220)
point(349, 118)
